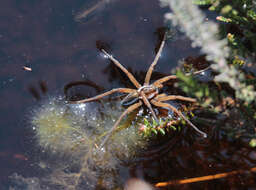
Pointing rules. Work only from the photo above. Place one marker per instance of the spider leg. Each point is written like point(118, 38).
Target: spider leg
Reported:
point(158, 83)
point(160, 95)
point(122, 90)
point(127, 111)
point(151, 68)
point(118, 64)
point(147, 103)
point(166, 105)
point(161, 98)
point(128, 97)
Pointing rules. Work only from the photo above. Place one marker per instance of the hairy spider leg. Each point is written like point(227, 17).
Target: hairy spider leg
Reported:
point(147, 103)
point(164, 97)
point(118, 64)
point(127, 111)
point(151, 68)
point(166, 105)
point(131, 95)
point(158, 83)
point(121, 90)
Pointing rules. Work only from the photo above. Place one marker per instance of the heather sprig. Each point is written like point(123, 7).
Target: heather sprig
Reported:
point(205, 34)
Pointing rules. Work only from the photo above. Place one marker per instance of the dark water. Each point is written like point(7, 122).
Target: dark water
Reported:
point(44, 36)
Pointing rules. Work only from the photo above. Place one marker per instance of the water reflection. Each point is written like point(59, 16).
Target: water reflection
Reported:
point(34, 91)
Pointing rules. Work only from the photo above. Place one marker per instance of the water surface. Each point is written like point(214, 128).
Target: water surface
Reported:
point(45, 37)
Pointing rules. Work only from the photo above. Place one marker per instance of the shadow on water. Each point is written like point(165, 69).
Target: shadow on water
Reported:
point(60, 51)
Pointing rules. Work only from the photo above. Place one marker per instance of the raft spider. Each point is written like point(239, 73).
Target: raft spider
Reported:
point(147, 94)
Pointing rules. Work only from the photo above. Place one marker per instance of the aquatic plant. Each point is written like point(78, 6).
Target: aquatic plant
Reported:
point(73, 132)
point(59, 130)
point(148, 127)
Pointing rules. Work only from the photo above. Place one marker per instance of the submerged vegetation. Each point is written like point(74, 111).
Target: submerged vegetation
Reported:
point(71, 134)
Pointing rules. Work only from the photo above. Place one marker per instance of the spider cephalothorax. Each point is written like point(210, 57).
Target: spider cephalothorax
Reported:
point(149, 90)
point(146, 94)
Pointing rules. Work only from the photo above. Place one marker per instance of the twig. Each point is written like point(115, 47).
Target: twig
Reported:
point(203, 178)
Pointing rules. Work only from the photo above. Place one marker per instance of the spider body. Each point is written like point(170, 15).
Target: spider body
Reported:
point(149, 90)
point(146, 94)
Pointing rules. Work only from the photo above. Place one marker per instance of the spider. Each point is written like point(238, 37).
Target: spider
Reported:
point(147, 94)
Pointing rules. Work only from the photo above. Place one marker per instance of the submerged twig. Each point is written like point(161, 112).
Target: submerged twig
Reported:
point(203, 178)
point(86, 12)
